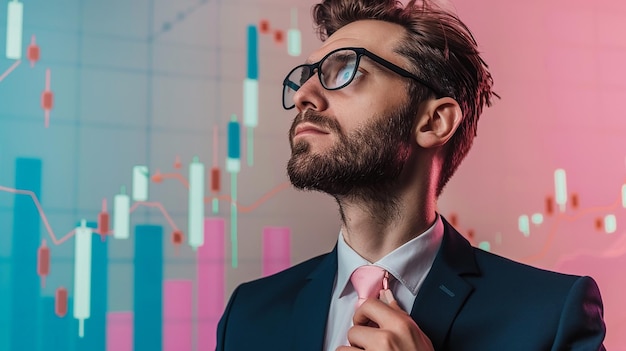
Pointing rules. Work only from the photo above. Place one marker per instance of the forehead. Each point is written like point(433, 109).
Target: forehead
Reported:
point(379, 37)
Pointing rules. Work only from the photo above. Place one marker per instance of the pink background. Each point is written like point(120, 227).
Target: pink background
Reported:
point(559, 67)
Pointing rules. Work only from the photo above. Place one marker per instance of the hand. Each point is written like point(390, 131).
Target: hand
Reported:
point(382, 325)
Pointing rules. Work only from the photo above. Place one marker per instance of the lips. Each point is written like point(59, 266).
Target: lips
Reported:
point(308, 128)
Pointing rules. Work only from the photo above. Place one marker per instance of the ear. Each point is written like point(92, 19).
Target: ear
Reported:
point(437, 121)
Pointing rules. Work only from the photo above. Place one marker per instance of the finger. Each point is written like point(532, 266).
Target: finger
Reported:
point(374, 310)
point(363, 337)
point(387, 297)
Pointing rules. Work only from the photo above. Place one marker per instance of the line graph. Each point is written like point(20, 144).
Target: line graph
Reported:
point(10, 69)
point(556, 220)
point(560, 218)
point(547, 225)
point(159, 177)
point(56, 240)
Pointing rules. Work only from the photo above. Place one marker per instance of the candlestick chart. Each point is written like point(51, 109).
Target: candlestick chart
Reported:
point(143, 150)
point(178, 237)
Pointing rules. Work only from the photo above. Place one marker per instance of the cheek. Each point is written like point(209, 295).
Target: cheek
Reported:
point(360, 105)
point(357, 112)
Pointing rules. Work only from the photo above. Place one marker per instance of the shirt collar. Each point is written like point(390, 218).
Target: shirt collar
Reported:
point(409, 264)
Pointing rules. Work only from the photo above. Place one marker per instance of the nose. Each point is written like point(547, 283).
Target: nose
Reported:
point(311, 95)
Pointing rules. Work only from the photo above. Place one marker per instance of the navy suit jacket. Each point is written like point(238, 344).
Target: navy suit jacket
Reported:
point(470, 300)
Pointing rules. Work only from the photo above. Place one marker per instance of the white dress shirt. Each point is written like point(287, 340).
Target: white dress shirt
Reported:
point(407, 265)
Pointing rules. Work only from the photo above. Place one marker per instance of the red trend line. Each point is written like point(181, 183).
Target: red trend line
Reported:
point(10, 69)
point(158, 177)
point(261, 200)
point(564, 217)
point(71, 233)
point(44, 219)
point(157, 205)
point(37, 204)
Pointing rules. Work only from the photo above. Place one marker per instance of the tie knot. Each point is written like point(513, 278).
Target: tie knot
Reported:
point(367, 281)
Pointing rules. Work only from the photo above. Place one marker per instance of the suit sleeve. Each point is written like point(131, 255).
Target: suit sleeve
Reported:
point(581, 327)
point(223, 323)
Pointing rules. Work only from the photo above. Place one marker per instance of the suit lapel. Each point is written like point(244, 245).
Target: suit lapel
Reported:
point(311, 307)
point(444, 291)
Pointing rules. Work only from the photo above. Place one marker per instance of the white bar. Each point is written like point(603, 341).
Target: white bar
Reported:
point(15, 21)
point(121, 216)
point(560, 188)
point(294, 42)
point(537, 218)
point(624, 196)
point(196, 204)
point(233, 165)
point(524, 225)
point(485, 246)
point(250, 102)
point(610, 224)
point(82, 275)
point(140, 183)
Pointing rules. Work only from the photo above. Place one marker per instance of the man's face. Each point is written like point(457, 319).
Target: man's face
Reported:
point(361, 162)
point(356, 138)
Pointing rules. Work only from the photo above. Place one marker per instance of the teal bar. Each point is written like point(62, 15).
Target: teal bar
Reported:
point(25, 283)
point(57, 332)
point(216, 205)
point(148, 288)
point(253, 52)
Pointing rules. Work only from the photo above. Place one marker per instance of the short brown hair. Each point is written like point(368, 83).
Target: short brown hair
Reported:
point(442, 51)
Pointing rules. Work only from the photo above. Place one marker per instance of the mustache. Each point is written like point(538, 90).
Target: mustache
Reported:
point(316, 118)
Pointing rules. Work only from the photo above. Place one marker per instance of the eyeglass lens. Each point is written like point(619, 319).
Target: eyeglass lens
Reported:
point(335, 71)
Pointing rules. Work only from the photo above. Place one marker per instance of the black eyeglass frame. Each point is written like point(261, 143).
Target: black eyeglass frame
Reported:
point(359, 53)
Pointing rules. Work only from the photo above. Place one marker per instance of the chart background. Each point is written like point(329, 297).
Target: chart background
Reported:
point(144, 81)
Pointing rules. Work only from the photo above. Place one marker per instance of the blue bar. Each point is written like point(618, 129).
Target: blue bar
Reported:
point(234, 140)
point(253, 52)
point(148, 288)
point(5, 315)
point(26, 285)
point(95, 326)
point(57, 332)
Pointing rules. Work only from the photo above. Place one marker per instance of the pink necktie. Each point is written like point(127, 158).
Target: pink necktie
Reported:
point(368, 281)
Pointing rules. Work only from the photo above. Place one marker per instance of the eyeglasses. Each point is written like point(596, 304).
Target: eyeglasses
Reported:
point(336, 70)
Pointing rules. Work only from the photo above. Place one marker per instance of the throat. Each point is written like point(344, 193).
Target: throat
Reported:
point(375, 228)
point(376, 204)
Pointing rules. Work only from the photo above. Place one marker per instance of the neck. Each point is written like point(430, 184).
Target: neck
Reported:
point(374, 227)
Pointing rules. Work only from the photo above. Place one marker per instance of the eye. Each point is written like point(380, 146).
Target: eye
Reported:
point(338, 68)
point(344, 75)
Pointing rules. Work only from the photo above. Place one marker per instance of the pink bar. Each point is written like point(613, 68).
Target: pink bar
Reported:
point(211, 282)
point(177, 315)
point(119, 331)
point(276, 249)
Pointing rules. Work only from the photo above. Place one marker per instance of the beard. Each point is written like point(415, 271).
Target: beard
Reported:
point(365, 163)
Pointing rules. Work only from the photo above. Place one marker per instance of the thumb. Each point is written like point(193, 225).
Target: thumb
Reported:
point(386, 296)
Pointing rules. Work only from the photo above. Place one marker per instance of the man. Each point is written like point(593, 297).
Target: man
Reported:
point(386, 110)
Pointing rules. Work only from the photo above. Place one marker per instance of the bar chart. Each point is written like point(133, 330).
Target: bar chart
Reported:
point(142, 272)
point(159, 304)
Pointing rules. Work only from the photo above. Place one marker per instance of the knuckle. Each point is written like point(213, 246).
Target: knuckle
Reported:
point(351, 332)
point(387, 340)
